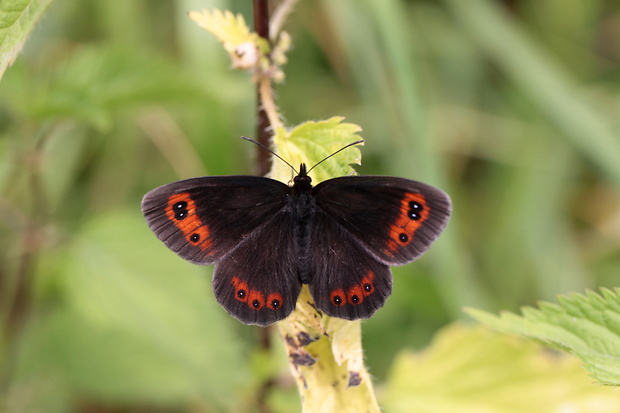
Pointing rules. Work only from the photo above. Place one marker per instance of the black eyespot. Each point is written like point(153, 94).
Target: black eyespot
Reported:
point(180, 210)
point(355, 299)
point(367, 287)
point(337, 297)
point(403, 237)
point(414, 210)
point(195, 238)
point(415, 206)
point(256, 304)
point(275, 304)
point(241, 294)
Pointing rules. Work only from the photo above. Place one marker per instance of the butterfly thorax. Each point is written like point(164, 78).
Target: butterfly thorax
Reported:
point(301, 202)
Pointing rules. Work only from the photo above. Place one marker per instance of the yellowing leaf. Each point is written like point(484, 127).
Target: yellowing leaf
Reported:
point(246, 48)
point(475, 370)
point(328, 365)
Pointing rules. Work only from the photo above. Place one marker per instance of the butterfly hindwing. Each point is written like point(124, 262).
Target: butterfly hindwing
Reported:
point(396, 219)
point(258, 281)
point(203, 219)
point(347, 281)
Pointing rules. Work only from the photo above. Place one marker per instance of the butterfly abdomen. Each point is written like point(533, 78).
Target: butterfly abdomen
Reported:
point(303, 208)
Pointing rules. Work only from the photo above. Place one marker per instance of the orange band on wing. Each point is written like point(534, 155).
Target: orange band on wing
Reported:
point(413, 212)
point(181, 210)
point(255, 299)
point(356, 293)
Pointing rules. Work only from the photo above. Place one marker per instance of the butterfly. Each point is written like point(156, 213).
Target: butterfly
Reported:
point(267, 238)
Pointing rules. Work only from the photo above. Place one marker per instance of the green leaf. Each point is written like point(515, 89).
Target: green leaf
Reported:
point(474, 370)
point(586, 326)
point(17, 20)
point(310, 142)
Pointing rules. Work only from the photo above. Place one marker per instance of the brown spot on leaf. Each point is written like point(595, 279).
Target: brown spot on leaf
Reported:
point(302, 359)
point(354, 379)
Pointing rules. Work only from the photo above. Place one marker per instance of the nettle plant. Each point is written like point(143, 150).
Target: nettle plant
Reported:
point(325, 353)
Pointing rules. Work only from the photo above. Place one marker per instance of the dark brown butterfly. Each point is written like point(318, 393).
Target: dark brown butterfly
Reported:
point(267, 238)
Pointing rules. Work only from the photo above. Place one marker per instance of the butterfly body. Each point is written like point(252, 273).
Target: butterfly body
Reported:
point(268, 238)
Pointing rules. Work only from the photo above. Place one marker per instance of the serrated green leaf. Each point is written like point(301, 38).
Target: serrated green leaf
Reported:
point(310, 142)
point(587, 326)
point(17, 20)
point(474, 370)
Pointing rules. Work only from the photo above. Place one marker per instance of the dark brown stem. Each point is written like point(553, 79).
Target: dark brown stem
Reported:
point(261, 18)
point(261, 26)
point(262, 136)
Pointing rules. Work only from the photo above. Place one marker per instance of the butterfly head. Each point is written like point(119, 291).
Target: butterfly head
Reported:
point(302, 180)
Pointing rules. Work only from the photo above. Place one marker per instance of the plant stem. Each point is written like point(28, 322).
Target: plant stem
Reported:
point(263, 125)
point(324, 354)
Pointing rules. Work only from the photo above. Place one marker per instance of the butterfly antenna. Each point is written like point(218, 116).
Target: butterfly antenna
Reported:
point(272, 152)
point(339, 150)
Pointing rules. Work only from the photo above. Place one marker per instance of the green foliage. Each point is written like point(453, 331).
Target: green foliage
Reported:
point(513, 111)
point(548, 85)
point(19, 18)
point(127, 330)
point(471, 369)
point(98, 83)
point(311, 142)
point(587, 327)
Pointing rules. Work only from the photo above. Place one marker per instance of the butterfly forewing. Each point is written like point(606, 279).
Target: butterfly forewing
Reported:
point(395, 219)
point(203, 219)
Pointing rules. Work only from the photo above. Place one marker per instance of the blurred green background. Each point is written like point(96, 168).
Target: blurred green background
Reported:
point(510, 106)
